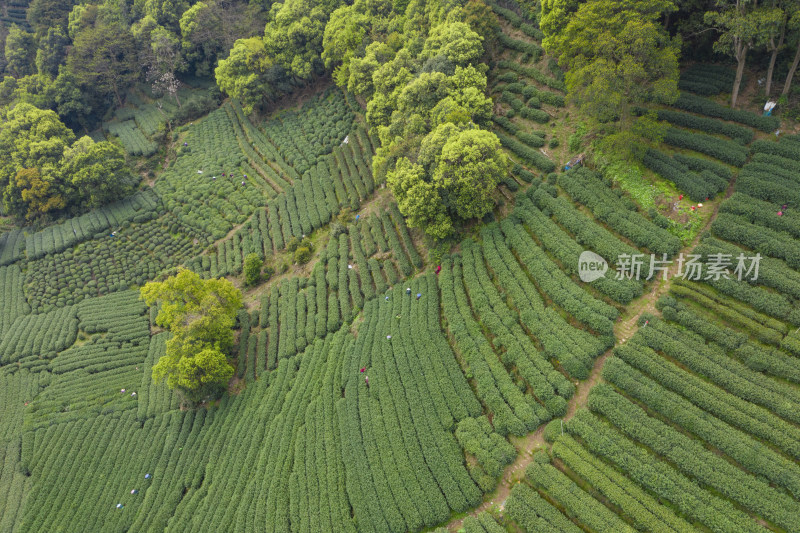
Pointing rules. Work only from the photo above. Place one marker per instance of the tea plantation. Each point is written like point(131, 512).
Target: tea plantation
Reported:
point(390, 385)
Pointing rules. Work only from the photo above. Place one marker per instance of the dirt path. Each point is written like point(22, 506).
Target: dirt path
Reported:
point(623, 330)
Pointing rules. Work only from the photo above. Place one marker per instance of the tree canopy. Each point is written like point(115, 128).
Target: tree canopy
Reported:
point(43, 169)
point(616, 54)
point(200, 315)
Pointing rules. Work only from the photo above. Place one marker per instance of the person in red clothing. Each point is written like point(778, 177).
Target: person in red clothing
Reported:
point(438, 269)
point(363, 369)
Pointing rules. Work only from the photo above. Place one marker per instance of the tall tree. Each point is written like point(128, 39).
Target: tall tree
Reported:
point(743, 26)
point(344, 33)
point(166, 12)
point(617, 55)
point(30, 138)
point(97, 172)
point(454, 178)
point(793, 27)
point(777, 36)
point(52, 51)
point(72, 103)
point(20, 52)
point(43, 170)
point(33, 196)
point(44, 14)
point(200, 314)
point(249, 74)
point(104, 59)
point(201, 39)
point(293, 36)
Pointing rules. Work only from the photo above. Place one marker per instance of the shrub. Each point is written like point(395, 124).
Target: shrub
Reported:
point(292, 244)
point(252, 269)
point(726, 151)
point(704, 106)
point(302, 255)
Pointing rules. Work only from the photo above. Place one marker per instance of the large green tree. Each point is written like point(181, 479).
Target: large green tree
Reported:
point(20, 52)
point(453, 180)
point(52, 51)
point(97, 172)
point(30, 138)
point(43, 169)
point(201, 39)
point(294, 34)
point(793, 28)
point(44, 14)
point(743, 26)
point(616, 55)
point(32, 195)
point(250, 74)
point(104, 59)
point(200, 314)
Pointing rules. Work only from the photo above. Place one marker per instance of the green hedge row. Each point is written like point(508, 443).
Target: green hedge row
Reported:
point(547, 385)
point(726, 151)
point(526, 47)
point(13, 303)
point(303, 135)
point(704, 106)
point(719, 369)
point(567, 251)
point(769, 187)
point(528, 110)
point(699, 164)
point(530, 91)
point(136, 254)
point(43, 334)
point(707, 125)
point(750, 418)
point(528, 155)
point(494, 387)
point(755, 311)
point(139, 207)
point(12, 246)
point(573, 348)
point(534, 513)
point(692, 459)
point(532, 73)
point(594, 313)
point(699, 187)
point(707, 79)
point(652, 474)
point(646, 512)
point(749, 452)
point(577, 503)
point(493, 452)
point(586, 231)
point(762, 213)
point(682, 314)
point(767, 241)
point(587, 188)
point(534, 140)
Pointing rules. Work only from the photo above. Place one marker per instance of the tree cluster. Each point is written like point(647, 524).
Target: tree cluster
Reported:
point(80, 59)
point(45, 170)
point(419, 67)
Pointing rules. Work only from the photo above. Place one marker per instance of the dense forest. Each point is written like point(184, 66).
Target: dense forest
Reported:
point(474, 266)
point(418, 67)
